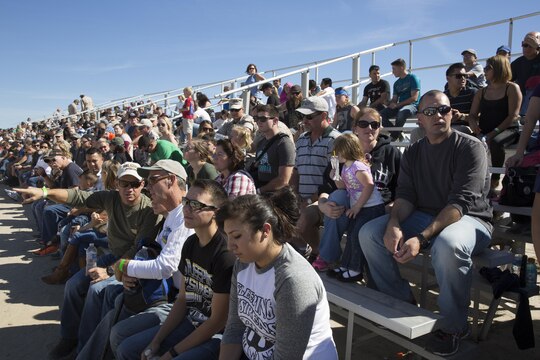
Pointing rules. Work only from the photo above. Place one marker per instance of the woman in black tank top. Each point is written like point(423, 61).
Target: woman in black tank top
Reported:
point(495, 111)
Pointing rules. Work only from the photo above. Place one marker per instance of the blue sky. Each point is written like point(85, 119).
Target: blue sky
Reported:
point(52, 51)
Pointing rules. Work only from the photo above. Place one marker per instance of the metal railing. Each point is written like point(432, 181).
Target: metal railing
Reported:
point(304, 71)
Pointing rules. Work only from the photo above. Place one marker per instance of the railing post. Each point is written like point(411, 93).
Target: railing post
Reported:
point(410, 55)
point(166, 103)
point(245, 100)
point(305, 83)
point(510, 32)
point(355, 78)
point(317, 75)
point(373, 58)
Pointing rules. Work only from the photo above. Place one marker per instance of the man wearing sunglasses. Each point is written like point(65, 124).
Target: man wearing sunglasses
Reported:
point(461, 97)
point(526, 67)
point(238, 118)
point(131, 219)
point(166, 183)
point(441, 204)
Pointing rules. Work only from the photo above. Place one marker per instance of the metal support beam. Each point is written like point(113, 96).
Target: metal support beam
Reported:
point(305, 83)
point(410, 55)
point(510, 32)
point(355, 78)
point(245, 100)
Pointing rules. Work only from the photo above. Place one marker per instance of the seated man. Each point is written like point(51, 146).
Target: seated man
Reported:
point(461, 96)
point(473, 69)
point(161, 149)
point(405, 99)
point(441, 203)
point(377, 91)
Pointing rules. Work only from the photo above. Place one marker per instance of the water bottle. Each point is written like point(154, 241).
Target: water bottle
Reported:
point(91, 257)
point(141, 255)
point(530, 279)
point(516, 264)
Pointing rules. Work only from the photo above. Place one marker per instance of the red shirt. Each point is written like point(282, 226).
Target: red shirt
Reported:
point(188, 104)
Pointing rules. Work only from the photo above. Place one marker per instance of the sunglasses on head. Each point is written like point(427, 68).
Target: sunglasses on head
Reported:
point(374, 125)
point(432, 110)
point(129, 184)
point(196, 205)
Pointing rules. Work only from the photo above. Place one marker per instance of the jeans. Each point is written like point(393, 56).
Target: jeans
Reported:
point(132, 347)
point(129, 324)
point(85, 238)
point(37, 212)
point(76, 290)
point(66, 224)
point(451, 253)
point(401, 115)
point(52, 215)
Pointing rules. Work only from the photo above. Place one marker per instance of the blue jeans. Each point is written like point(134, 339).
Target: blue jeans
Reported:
point(85, 238)
point(76, 290)
point(132, 347)
point(66, 224)
point(130, 324)
point(401, 115)
point(52, 215)
point(330, 248)
point(451, 253)
point(37, 212)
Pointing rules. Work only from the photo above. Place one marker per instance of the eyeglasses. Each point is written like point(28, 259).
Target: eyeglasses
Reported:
point(252, 68)
point(153, 180)
point(296, 93)
point(129, 184)
point(197, 205)
point(374, 125)
point(488, 67)
point(160, 124)
point(48, 161)
point(525, 45)
point(263, 118)
point(235, 110)
point(311, 116)
point(207, 129)
point(460, 76)
point(432, 110)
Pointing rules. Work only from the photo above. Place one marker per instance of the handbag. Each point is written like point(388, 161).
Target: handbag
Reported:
point(518, 186)
point(254, 167)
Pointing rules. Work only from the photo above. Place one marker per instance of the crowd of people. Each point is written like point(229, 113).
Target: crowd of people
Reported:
point(208, 228)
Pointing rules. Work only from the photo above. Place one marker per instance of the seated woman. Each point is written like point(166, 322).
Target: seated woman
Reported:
point(229, 161)
point(278, 307)
point(199, 156)
point(495, 111)
point(165, 128)
point(197, 318)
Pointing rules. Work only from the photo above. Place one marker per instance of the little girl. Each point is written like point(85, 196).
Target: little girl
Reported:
point(365, 204)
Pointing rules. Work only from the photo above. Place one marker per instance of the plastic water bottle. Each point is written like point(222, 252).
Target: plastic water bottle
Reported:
point(141, 255)
point(516, 264)
point(91, 257)
point(531, 274)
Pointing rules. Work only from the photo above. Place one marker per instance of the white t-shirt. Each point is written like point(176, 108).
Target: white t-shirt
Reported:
point(330, 97)
point(200, 114)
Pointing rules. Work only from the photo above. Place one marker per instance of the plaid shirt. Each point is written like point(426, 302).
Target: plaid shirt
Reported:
point(237, 184)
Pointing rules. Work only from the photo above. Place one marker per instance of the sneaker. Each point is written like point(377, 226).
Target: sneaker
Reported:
point(350, 276)
point(63, 348)
point(320, 265)
point(445, 344)
point(47, 250)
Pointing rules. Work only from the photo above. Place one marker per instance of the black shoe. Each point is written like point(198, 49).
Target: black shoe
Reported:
point(333, 273)
point(348, 277)
point(445, 344)
point(63, 348)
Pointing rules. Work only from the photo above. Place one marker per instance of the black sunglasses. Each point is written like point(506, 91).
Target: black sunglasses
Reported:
point(364, 124)
point(130, 184)
point(525, 45)
point(235, 110)
point(432, 110)
point(460, 76)
point(196, 205)
point(309, 117)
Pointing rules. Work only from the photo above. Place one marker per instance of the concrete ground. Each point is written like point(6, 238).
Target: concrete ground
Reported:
point(29, 309)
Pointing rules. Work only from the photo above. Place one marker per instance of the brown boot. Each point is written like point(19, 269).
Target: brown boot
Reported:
point(61, 273)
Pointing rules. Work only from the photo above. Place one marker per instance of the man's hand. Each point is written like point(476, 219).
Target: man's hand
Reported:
point(129, 281)
point(392, 105)
point(408, 251)
point(30, 194)
point(456, 115)
point(392, 237)
point(331, 209)
point(352, 212)
point(97, 274)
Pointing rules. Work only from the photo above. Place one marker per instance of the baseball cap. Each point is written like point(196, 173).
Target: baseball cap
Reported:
point(129, 168)
point(145, 122)
point(532, 41)
point(313, 104)
point(117, 141)
point(341, 92)
point(503, 48)
point(296, 88)
point(236, 104)
point(170, 166)
point(470, 51)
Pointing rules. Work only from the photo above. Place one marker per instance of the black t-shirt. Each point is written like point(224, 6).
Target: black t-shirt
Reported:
point(523, 69)
point(273, 100)
point(373, 91)
point(207, 270)
point(70, 176)
point(282, 152)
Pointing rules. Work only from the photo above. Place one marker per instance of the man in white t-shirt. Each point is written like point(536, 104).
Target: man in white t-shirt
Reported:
point(328, 94)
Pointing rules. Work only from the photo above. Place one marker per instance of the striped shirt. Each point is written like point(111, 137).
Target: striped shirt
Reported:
point(312, 159)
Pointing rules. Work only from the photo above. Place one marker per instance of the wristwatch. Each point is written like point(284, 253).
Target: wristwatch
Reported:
point(424, 243)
